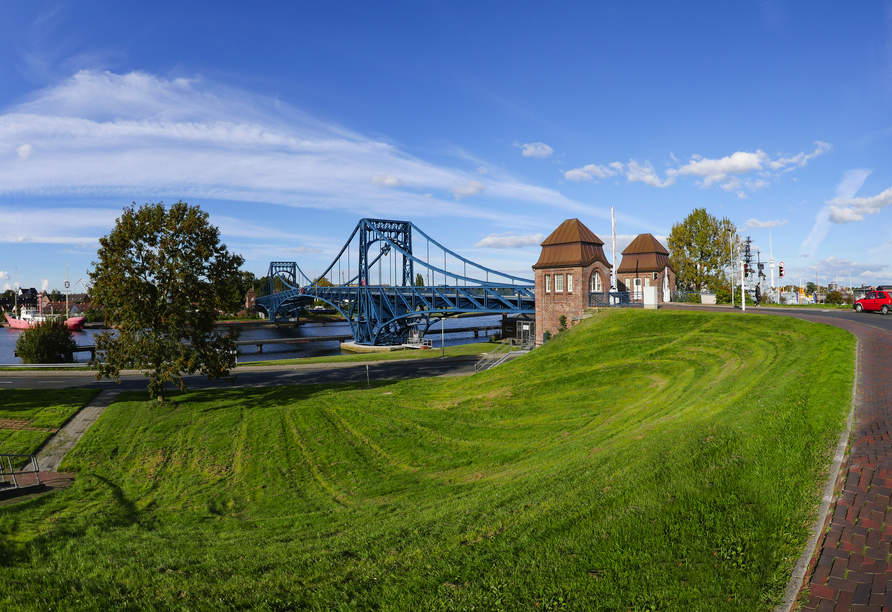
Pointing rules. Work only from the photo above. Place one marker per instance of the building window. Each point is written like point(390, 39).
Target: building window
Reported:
point(547, 283)
point(596, 283)
point(569, 283)
point(558, 283)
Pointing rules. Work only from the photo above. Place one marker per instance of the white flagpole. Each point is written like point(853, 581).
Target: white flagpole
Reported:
point(613, 283)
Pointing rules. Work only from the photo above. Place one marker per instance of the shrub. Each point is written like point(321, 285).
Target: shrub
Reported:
point(723, 295)
point(562, 322)
point(49, 342)
point(834, 297)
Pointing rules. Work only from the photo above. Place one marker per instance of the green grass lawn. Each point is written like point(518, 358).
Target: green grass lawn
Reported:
point(645, 460)
point(42, 409)
point(460, 350)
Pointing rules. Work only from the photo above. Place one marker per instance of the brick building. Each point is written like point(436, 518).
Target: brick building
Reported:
point(646, 264)
point(572, 264)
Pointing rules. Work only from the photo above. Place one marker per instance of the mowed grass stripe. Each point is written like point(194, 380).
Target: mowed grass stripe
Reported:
point(600, 472)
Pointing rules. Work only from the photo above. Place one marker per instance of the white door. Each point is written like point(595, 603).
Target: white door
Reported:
point(636, 293)
point(666, 296)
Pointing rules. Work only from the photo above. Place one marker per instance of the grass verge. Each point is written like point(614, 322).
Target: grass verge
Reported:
point(460, 350)
point(645, 461)
point(29, 416)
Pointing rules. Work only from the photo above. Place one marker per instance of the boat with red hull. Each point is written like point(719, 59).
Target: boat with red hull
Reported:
point(30, 318)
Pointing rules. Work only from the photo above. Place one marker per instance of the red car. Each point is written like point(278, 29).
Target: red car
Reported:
point(875, 300)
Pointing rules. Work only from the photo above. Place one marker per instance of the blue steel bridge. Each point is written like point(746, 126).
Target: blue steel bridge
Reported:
point(390, 280)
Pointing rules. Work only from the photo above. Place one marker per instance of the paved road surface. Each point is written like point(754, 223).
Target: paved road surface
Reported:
point(248, 376)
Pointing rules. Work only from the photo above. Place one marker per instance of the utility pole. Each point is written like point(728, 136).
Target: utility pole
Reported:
point(742, 290)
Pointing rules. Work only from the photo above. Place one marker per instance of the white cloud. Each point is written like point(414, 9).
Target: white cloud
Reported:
point(482, 170)
point(386, 180)
point(854, 209)
point(756, 224)
point(717, 170)
point(535, 149)
point(799, 161)
point(646, 174)
point(24, 151)
point(44, 285)
point(507, 241)
point(303, 250)
point(4, 275)
point(851, 182)
point(756, 185)
point(467, 189)
point(591, 171)
point(6, 286)
point(138, 136)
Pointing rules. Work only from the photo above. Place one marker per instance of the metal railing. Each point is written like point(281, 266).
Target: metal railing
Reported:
point(611, 299)
point(8, 473)
point(501, 353)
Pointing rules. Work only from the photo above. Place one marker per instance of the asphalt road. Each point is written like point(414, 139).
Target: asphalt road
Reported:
point(253, 376)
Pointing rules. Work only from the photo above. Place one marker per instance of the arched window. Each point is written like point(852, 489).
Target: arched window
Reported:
point(596, 282)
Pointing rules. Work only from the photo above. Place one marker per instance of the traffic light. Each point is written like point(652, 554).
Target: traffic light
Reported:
point(746, 269)
point(780, 270)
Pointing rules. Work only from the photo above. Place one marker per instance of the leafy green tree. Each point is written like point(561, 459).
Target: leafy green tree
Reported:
point(419, 280)
point(699, 250)
point(162, 277)
point(49, 342)
point(810, 287)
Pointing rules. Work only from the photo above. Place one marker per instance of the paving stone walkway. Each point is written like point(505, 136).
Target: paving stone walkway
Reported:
point(50, 456)
point(851, 569)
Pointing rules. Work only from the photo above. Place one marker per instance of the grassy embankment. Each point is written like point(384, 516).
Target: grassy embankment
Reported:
point(41, 411)
point(662, 460)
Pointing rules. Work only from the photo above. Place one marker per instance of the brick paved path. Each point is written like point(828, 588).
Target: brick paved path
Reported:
point(851, 569)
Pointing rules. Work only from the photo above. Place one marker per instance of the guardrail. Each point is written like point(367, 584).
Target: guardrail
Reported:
point(501, 353)
point(7, 471)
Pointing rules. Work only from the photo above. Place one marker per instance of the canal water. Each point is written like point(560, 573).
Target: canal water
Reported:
point(8, 339)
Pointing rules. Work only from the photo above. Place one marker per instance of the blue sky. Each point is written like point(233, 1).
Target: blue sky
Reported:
point(486, 124)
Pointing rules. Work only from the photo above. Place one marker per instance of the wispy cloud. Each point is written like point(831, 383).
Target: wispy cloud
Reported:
point(634, 171)
point(724, 171)
point(846, 208)
point(509, 241)
point(534, 149)
point(756, 224)
point(139, 136)
point(467, 189)
point(848, 186)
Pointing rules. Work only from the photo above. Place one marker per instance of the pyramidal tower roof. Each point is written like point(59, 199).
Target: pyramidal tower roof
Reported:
point(572, 231)
point(644, 254)
point(571, 244)
point(645, 243)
